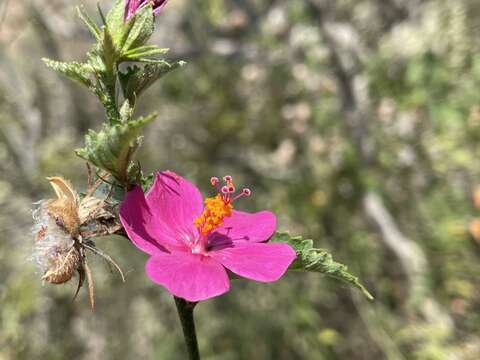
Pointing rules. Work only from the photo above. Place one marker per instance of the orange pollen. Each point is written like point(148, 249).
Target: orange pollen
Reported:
point(216, 209)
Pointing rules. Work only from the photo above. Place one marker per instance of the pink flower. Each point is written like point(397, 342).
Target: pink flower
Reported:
point(191, 245)
point(132, 6)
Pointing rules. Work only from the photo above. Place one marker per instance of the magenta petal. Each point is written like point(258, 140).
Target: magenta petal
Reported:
point(188, 276)
point(131, 6)
point(242, 226)
point(146, 232)
point(176, 202)
point(256, 261)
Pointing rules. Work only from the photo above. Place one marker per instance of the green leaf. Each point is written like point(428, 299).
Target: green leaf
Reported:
point(104, 85)
point(95, 60)
point(103, 58)
point(112, 148)
point(92, 26)
point(109, 52)
point(73, 70)
point(317, 260)
point(115, 20)
point(138, 79)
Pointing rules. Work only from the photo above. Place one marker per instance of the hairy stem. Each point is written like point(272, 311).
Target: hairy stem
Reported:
point(185, 312)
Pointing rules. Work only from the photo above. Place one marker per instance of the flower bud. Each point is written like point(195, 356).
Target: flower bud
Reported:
point(132, 6)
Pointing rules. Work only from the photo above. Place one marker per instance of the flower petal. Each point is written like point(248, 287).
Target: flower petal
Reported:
point(188, 276)
point(176, 202)
point(256, 261)
point(242, 226)
point(147, 233)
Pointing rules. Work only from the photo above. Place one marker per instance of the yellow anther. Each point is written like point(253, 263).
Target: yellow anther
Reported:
point(216, 209)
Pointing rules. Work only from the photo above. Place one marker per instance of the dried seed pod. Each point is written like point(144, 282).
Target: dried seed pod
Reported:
point(51, 240)
point(63, 265)
point(63, 230)
point(56, 226)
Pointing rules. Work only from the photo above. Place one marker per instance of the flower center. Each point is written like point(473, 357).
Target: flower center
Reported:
point(219, 206)
point(216, 209)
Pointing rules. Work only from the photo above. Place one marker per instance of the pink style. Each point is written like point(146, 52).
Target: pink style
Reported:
point(191, 245)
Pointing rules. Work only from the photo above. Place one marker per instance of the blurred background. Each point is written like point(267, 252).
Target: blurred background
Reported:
point(356, 121)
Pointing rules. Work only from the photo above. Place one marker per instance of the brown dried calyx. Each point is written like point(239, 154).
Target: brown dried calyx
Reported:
point(63, 229)
point(65, 208)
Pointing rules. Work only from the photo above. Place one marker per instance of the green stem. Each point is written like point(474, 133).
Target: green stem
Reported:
point(185, 312)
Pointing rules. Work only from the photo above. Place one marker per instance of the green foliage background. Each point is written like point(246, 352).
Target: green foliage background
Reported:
point(357, 122)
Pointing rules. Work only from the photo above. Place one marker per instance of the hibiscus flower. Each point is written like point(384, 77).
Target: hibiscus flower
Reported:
point(192, 243)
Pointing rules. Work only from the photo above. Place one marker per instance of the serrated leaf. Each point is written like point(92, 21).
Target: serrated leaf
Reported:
point(73, 70)
point(138, 79)
point(112, 148)
point(317, 260)
point(92, 26)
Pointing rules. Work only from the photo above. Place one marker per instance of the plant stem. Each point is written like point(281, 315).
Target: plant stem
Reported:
point(185, 312)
